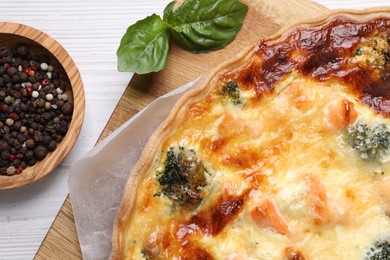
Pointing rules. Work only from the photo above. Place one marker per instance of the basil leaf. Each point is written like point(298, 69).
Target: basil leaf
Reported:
point(144, 47)
point(168, 11)
point(205, 25)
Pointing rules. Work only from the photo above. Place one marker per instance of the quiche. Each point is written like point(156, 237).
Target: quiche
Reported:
point(282, 153)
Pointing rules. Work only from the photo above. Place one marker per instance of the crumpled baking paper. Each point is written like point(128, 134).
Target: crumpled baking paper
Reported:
point(96, 181)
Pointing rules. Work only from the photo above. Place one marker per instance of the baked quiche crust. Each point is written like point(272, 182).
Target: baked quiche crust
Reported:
point(281, 153)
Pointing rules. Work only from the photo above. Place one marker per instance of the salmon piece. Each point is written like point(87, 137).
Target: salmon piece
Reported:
point(267, 215)
point(339, 114)
point(384, 191)
point(317, 198)
point(231, 125)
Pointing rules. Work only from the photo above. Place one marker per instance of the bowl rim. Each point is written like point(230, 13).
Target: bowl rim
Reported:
point(53, 159)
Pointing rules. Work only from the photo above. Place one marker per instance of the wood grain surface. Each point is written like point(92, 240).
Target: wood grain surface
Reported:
point(13, 34)
point(264, 18)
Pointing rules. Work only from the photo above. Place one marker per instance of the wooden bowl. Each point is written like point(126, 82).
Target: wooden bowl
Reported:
point(12, 34)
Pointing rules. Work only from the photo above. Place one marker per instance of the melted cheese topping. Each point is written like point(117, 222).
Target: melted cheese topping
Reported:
point(281, 177)
point(271, 150)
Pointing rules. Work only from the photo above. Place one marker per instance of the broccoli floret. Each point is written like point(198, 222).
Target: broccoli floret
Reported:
point(379, 251)
point(143, 253)
point(183, 178)
point(371, 142)
point(358, 51)
point(231, 90)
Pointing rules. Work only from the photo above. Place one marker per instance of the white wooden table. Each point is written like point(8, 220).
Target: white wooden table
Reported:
point(90, 30)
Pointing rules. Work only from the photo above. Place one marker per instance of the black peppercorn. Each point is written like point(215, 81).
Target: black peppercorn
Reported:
point(5, 155)
point(45, 117)
point(15, 163)
point(4, 51)
point(22, 50)
point(12, 71)
point(23, 76)
point(41, 128)
point(29, 155)
point(56, 120)
point(56, 82)
point(42, 94)
point(68, 118)
point(40, 102)
point(6, 78)
point(31, 162)
point(17, 145)
point(46, 139)
point(67, 108)
point(14, 52)
point(37, 119)
point(23, 150)
point(32, 79)
point(23, 164)
point(16, 109)
point(38, 136)
point(31, 131)
point(59, 102)
point(17, 125)
point(40, 152)
point(30, 143)
point(3, 145)
point(52, 145)
point(57, 137)
point(13, 150)
point(15, 78)
point(62, 130)
point(14, 134)
point(3, 117)
point(6, 60)
point(17, 62)
point(38, 76)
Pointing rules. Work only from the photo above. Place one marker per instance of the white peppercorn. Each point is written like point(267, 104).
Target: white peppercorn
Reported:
point(44, 66)
point(49, 97)
point(9, 122)
point(11, 170)
point(35, 94)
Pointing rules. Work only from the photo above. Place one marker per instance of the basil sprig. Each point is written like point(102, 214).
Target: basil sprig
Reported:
point(197, 26)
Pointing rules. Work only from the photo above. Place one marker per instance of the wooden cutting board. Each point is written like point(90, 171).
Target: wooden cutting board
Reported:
point(265, 17)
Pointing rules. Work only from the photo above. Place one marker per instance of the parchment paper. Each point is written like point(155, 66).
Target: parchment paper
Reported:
point(96, 181)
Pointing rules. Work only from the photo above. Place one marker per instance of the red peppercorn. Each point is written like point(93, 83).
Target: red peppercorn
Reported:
point(34, 68)
point(26, 69)
point(29, 90)
point(44, 82)
point(3, 107)
point(13, 157)
point(31, 73)
point(19, 170)
point(13, 116)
